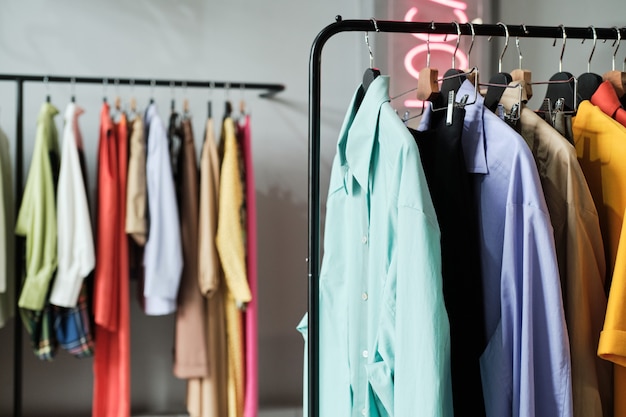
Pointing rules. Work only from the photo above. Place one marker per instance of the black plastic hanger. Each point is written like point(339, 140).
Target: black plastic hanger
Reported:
point(562, 85)
point(500, 81)
point(589, 82)
point(370, 73)
point(451, 83)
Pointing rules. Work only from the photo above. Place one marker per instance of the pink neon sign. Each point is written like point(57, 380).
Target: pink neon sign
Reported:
point(441, 46)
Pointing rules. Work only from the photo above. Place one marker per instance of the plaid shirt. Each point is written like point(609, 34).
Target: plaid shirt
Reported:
point(54, 326)
point(72, 325)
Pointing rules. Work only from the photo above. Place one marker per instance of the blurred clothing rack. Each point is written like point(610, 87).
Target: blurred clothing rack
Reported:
point(315, 77)
point(267, 91)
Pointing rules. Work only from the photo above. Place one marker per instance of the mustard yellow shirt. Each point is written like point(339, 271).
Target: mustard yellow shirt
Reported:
point(601, 148)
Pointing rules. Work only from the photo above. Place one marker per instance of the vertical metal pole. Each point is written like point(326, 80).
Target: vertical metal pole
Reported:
point(19, 264)
point(314, 230)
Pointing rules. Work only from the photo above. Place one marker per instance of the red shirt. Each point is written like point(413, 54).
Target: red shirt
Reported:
point(111, 292)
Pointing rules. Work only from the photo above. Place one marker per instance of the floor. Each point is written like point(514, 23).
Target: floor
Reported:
point(281, 412)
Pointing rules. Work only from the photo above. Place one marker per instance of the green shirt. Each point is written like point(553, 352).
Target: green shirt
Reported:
point(384, 330)
point(36, 220)
point(7, 241)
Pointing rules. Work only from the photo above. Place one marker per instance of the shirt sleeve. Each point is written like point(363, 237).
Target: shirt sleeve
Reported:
point(37, 223)
point(230, 243)
point(533, 322)
point(136, 222)
point(425, 349)
point(4, 232)
point(76, 254)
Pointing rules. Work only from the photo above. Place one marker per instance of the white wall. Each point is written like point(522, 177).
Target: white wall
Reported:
point(239, 40)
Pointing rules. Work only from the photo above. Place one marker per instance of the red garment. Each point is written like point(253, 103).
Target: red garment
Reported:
point(250, 323)
point(606, 98)
point(111, 301)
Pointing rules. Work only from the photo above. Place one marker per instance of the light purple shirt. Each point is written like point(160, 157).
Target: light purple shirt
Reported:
point(163, 257)
point(526, 368)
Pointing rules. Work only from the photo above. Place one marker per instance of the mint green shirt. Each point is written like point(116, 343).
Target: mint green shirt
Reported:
point(37, 220)
point(384, 331)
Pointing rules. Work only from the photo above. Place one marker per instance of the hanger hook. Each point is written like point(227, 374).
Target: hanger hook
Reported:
point(458, 41)
point(617, 42)
point(562, 47)
point(469, 52)
point(519, 49)
point(432, 27)
point(73, 86)
point(506, 44)
point(593, 48)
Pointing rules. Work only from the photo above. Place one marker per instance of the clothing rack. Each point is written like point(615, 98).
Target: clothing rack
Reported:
point(268, 91)
point(373, 25)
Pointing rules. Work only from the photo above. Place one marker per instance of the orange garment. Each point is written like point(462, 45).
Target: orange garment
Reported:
point(606, 98)
point(111, 293)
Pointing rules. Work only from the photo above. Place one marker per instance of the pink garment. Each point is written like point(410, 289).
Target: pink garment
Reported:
point(251, 403)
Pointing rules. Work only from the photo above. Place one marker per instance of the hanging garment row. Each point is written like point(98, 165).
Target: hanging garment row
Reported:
point(187, 233)
point(467, 262)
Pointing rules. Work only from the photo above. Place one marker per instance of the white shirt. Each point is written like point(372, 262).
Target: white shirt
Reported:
point(163, 256)
point(75, 246)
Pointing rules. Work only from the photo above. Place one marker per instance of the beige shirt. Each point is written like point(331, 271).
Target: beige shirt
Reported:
point(190, 359)
point(580, 256)
point(208, 397)
point(136, 199)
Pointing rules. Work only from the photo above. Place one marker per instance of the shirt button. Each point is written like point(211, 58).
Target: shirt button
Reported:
point(365, 354)
point(364, 296)
point(364, 411)
point(364, 239)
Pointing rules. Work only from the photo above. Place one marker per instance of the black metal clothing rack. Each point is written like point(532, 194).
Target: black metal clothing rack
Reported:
point(267, 91)
point(372, 25)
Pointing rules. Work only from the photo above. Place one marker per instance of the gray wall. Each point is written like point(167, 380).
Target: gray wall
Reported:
point(240, 40)
point(539, 54)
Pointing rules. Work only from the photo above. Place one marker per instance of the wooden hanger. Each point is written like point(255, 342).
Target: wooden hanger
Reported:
point(616, 78)
point(427, 83)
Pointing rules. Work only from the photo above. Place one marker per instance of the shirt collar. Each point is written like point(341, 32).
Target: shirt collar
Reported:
point(47, 112)
point(151, 111)
point(359, 129)
point(473, 137)
point(606, 98)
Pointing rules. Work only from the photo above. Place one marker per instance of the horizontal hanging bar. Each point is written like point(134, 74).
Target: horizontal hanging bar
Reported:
point(441, 28)
point(271, 89)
